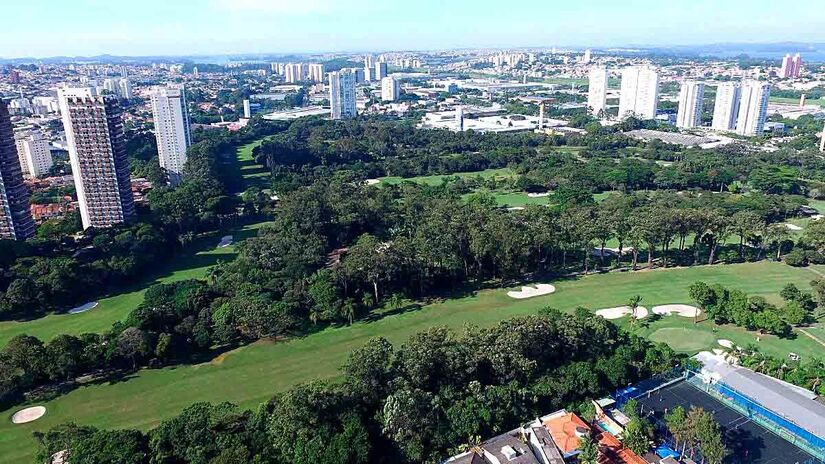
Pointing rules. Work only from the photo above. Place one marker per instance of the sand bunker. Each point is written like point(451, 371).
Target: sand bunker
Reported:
point(678, 309)
point(226, 240)
point(817, 217)
point(725, 343)
point(538, 195)
point(28, 415)
point(621, 311)
point(530, 292)
point(516, 208)
point(792, 226)
point(83, 308)
point(372, 181)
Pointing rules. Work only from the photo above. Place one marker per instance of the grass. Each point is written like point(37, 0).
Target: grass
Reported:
point(251, 374)
point(683, 339)
point(795, 101)
point(190, 264)
point(502, 173)
point(252, 174)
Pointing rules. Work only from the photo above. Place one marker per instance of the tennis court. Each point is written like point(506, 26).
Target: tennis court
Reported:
point(748, 442)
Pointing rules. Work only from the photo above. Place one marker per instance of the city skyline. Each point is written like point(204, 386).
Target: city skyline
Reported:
point(259, 26)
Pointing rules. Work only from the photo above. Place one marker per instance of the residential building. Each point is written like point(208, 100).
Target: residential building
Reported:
point(34, 153)
point(597, 90)
point(822, 141)
point(247, 109)
point(172, 129)
point(380, 71)
point(691, 102)
point(797, 65)
point(390, 89)
point(639, 92)
point(294, 72)
point(15, 218)
point(726, 106)
point(753, 108)
point(342, 94)
point(369, 68)
point(97, 153)
point(316, 72)
point(786, 70)
point(586, 57)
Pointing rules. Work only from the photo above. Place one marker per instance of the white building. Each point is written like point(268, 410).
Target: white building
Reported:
point(639, 93)
point(753, 108)
point(586, 57)
point(316, 72)
point(294, 72)
point(691, 102)
point(342, 94)
point(380, 71)
point(597, 90)
point(97, 153)
point(35, 155)
point(172, 129)
point(390, 89)
point(726, 107)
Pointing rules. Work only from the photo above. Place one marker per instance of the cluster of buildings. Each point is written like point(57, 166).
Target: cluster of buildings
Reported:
point(791, 67)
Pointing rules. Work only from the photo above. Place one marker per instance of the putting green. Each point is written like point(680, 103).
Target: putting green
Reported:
point(684, 340)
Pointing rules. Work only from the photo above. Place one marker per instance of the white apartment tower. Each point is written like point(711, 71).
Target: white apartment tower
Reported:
point(691, 101)
point(342, 94)
point(316, 72)
point(172, 129)
point(597, 90)
point(97, 152)
point(639, 93)
point(753, 108)
point(726, 107)
point(294, 72)
point(390, 89)
point(34, 153)
point(380, 71)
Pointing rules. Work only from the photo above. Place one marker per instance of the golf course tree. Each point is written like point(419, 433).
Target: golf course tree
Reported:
point(697, 430)
point(638, 433)
point(725, 305)
point(412, 402)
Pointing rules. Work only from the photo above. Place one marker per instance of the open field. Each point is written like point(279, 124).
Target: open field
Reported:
point(253, 175)
point(191, 263)
point(503, 173)
point(251, 374)
point(795, 101)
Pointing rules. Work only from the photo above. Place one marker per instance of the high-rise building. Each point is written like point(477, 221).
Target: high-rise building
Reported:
point(15, 218)
point(390, 89)
point(380, 71)
point(172, 129)
point(691, 103)
point(726, 106)
point(247, 109)
point(294, 72)
point(597, 90)
point(97, 152)
point(586, 57)
point(34, 153)
point(316, 72)
point(459, 118)
point(753, 108)
point(342, 94)
point(195, 73)
point(639, 93)
point(822, 141)
point(787, 67)
point(797, 65)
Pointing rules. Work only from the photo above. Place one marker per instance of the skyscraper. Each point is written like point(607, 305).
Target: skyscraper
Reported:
point(294, 72)
point(691, 101)
point(822, 141)
point(316, 72)
point(797, 65)
point(171, 129)
point(791, 66)
point(753, 108)
point(380, 71)
point(726, 107)
point(33, 151)
point(97, 152)
point(390, 90)
point(597, 90)
point(639, 93)
point(586, 57)
point(15, 217)
point(342, 94)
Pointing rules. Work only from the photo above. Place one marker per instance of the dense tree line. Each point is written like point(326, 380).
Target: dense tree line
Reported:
point(417, 402)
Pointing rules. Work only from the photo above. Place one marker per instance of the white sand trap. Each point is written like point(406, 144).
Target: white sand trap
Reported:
point(678, 309)
point(516, 208)
point(28, 415)
point(226, 240)
point(621, 311)
point(83, 308)
point(817, 217)
point(792, 226)
point(725, 343)
point(538, 195)
point(372, 181)
point(530, 292)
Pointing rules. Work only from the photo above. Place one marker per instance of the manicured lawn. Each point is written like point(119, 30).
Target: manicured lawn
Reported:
point(253, 174)
point(795, 101)
point(251, 374)
point(683, 339)
point(503, 173)
point(190, 264)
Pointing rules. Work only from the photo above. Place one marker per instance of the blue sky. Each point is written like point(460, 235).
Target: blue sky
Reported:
point(143, 27)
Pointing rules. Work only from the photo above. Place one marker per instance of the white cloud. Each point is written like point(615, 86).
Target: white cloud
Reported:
point(286, 7)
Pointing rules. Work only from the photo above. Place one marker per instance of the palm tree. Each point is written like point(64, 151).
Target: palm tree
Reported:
point(633, 304)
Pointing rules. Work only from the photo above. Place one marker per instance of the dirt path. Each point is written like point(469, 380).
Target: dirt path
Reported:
point(812, 336)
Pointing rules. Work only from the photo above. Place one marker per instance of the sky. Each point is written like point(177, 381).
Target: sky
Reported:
point(42, 28)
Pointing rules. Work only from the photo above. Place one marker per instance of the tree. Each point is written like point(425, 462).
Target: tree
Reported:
point(635, 436)
point(633, 304)
point(588, 451)
point(133, 344)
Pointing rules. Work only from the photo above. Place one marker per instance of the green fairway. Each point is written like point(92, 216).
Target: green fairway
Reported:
point(683, 339)
point(189, 264)
point(253, 174)
point(251, 374)
point(503, 173)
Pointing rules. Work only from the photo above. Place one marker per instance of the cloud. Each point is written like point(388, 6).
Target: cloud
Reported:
point(285, 7)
